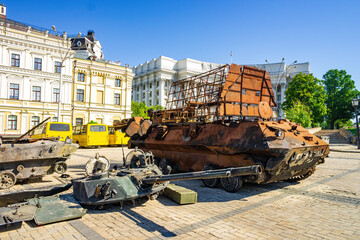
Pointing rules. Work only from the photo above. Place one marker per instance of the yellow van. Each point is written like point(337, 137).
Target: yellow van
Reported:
point(91, 135)
point(117, 137)
point(53, 129)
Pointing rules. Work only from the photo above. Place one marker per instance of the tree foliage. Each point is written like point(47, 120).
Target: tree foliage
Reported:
point(299, 113)
point(309, 91)
point(340, 89)
point(141, 109)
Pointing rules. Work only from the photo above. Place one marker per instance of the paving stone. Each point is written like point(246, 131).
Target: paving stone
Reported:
point(324, 206)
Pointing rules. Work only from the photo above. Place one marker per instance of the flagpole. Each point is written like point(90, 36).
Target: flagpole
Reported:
point(231, 57)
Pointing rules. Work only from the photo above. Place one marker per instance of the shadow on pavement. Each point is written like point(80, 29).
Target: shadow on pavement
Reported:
point(218, 194)
point(146, 223)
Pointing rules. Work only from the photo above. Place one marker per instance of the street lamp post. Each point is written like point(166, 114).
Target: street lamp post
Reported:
point(355, 103)
point(67, 55)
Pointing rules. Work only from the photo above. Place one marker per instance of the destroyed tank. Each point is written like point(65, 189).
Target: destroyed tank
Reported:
point(25, 158)
point(224, 118)
point(138, 177)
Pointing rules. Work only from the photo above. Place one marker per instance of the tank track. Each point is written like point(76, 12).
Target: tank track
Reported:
point(303, 176)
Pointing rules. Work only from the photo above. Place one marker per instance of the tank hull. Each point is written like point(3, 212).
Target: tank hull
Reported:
point(33, 158)
point(192, 146)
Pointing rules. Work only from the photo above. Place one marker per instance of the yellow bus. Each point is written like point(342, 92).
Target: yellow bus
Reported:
point(53, 129)
point(117, 137)
point(91, 135)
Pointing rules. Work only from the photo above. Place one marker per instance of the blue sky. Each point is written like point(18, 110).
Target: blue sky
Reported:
point(324, 33)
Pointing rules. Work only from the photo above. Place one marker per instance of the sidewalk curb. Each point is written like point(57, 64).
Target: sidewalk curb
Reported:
point(348, 151)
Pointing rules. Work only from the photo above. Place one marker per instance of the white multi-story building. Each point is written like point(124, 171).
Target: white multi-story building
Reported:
point(93, 89)
point(281, 74)
point(153, 79)
point(29, 76)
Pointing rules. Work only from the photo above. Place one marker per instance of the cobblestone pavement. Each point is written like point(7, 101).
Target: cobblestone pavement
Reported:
point(324, 206)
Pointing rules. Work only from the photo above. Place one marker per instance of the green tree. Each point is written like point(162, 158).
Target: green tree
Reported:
point(299, 113)
point(340, 89)
point(141, 109)
point(308, 90)
point(157, 107)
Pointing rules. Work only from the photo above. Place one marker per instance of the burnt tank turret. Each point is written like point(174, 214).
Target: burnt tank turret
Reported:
point(140, 177)
point(224, 118)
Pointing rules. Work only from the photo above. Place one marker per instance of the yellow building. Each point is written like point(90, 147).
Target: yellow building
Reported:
point(101, 91)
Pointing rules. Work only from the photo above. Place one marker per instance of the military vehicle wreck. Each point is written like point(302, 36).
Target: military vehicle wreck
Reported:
point(224, 118)
point(139, 177)
point(24, 158)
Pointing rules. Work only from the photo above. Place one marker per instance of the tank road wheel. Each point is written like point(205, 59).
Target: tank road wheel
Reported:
point(7, 180)
point(60, 167)
point(211, 183)
point(231, 184)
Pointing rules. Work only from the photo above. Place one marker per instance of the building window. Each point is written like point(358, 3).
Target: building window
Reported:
point(15, 60)
point(36, 93)
point(79, 95)
point(279, 98)
point(157, 92)
point(143, 95)
point(117, 99)
point(157, 101)
point(79, 121)
point(117, 82)
point(100, 97)
point(56, 94)
point(35, 120)
point(137, 97)
point(54, 119)
point(144, 87)
point(81, 77)
point(137, 88)
point(150, 84)
point(12, 122)
point(57, 67)
point(14, 91)
point(38, 64)
point(150, 94)
point(157, 83)
point(150, 103)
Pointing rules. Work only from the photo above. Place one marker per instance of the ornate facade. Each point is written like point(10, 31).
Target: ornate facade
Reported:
point(29, 76)
point(101, 91)
point(93, 89)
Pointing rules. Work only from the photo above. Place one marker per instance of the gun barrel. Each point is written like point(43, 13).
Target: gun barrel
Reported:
point(217, 173)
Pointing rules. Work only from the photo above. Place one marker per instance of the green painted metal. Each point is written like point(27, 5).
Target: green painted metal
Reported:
point(56, 208)
point(180, 194)
point(127, 187)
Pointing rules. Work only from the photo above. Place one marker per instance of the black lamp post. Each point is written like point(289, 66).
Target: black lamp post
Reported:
point(355, 103)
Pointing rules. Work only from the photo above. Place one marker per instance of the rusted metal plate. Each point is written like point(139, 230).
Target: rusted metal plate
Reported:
point(132, 129)
point(16, 214)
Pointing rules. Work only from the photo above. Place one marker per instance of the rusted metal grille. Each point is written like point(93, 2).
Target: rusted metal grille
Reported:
point(223, 93)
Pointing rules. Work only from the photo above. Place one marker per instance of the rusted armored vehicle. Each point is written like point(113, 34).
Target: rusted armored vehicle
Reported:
point(24, 158)
point(224, 118)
